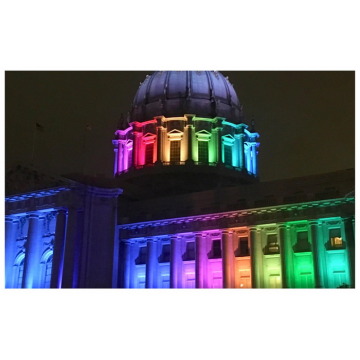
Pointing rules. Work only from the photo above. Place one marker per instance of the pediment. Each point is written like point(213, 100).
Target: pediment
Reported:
point(228, 136)
point(22, 179)
point(148, 135)
point(175, 131)
point(203, 132)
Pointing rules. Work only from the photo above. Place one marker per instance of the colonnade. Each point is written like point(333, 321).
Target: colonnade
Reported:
point(282, 255)
point(243, 143)
point(33, 249)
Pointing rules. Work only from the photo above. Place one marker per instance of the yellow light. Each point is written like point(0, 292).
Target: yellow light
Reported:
point(241, 285)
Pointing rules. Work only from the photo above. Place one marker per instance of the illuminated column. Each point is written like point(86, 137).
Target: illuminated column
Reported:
point(349, 224)
point(151, 264)
point(175, 272)
point(116, 151)
point(254, 158)
point(32, 253)
point(126, 262)
point(255, 257)
point(219, 149)
point(242, 152)
point(135, 150)
point(317, 265)
point(282, 233)
point(10, 249)
point(200, 260)
point(120, 157)
point(189, 142)
point(227, 258)
point(248, 159)
point(158, 142)
point(59, 249)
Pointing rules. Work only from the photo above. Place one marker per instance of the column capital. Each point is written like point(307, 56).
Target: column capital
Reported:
point(152, 240)
point(314, 222)
point(33, 215)
point(253, 228)
point(9, 218)
point(281, 226)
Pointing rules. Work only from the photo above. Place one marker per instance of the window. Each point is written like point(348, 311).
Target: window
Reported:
point(302, 243)
point(203, 151)
point(273, 246)
point(20, 274)
point(48, 267)
point(165, 253)
point(149, 154)
point(244, 246)
point(190, 250)
point(216, 247)
point(228, 155)
point(142, 256)
point(175, 151)
point(335, 238)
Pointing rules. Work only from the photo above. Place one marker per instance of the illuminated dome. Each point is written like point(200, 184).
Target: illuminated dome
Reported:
point(175, 93)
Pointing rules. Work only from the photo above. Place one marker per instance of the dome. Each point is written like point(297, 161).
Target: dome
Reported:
point(175, 93)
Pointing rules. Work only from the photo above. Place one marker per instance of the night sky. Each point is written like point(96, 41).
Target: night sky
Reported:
point(306, 120)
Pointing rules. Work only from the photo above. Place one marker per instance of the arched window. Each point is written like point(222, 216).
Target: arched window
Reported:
point(46, 262)
point(19, 271)
point(47, 278)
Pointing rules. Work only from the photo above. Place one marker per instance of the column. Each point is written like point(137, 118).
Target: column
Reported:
point(71, 243)
point(316, 258)
point(10, 249)
point(350, 245)
point(151, 264)
point(227, 258)
point(158, 143)
point(282, 232)
point(248, 159)
point(189, 142)
point(134, 150)
point(219, 146)
point(200, 260)
point(115, 142)
point(125, 256)
point(32, 253)
point(174, 262)
point(255, 257)
point(254, 158)
point(59, 249)
point(242, 152)
point(120, 157)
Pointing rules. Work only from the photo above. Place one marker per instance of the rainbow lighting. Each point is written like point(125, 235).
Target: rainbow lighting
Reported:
point(158, 131)
point(295, 254)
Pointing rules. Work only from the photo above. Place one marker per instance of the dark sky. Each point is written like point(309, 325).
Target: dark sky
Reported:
point(306, 120)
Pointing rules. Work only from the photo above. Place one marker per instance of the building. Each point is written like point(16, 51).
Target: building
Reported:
point(185, 208)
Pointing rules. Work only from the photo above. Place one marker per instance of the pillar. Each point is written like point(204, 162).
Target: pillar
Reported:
point(248, 159)
point(200, 260)
point(254, 158)
point(175, 272)
point(349, 224)
point(32, 253)
point(219, 149)
point(242, 152)
point(59, 249)
point(134, 150)
point(227, 259)
point(316, 256)
point(189, 143)
point(282, 239)
point(255, 257)
point(151, 265)
point(124, 278)
point(116, 152)
point(69, 277)
point(10, 249)
point(158, 143)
